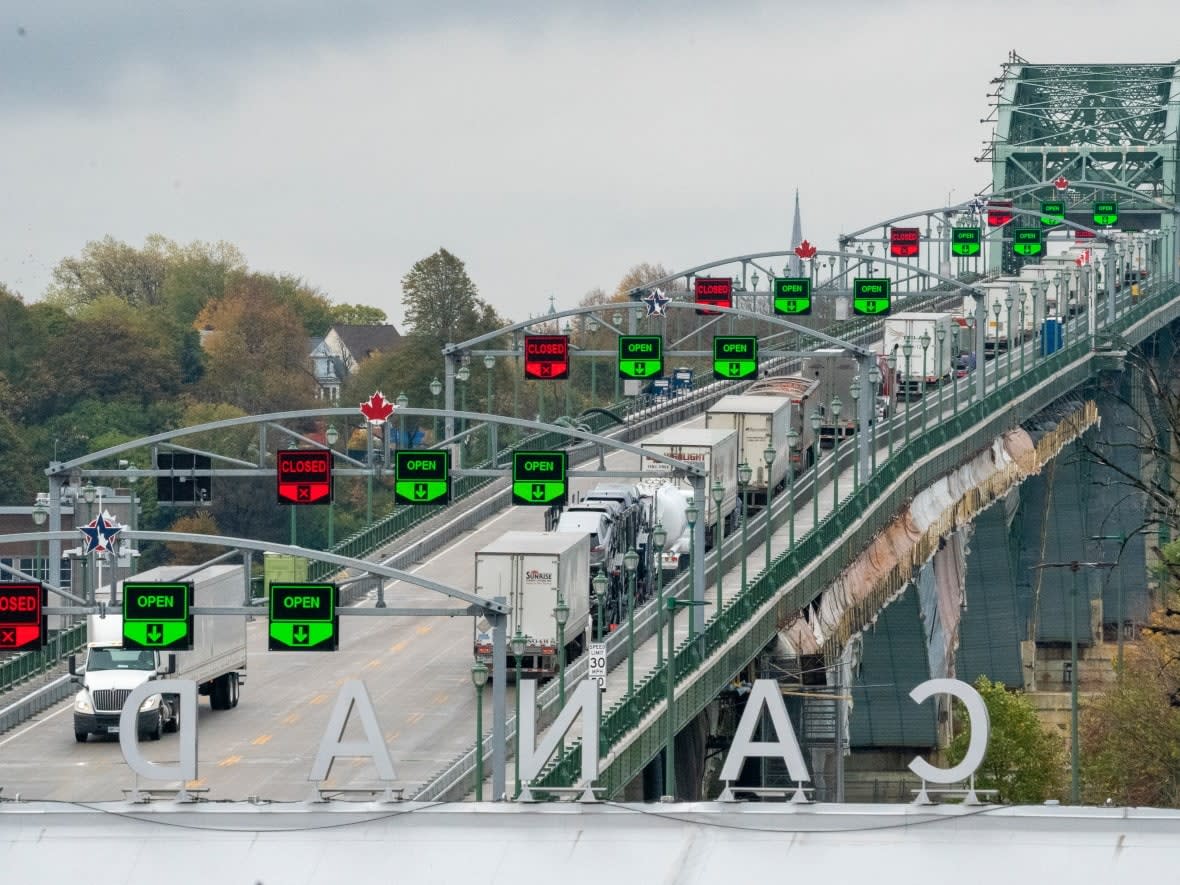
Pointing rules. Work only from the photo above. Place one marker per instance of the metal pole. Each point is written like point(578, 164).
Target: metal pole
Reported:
point(516, 755)
point(291, 507)
point(790, 513)
point(479, 743)
point(980, 362)
point(720, 556)
point(908, 381)
point(500, 677)
point(660, 607)
point(839, 733)
point(746, 519)
point(369, 477)
point(815, 486)
point(670, 682)
point(925, 383)
point(698, 552)
point(1074, 779)
point(630, 633)
point(449, 395)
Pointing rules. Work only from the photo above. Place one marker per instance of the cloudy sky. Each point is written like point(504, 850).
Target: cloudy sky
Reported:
point(550, 145)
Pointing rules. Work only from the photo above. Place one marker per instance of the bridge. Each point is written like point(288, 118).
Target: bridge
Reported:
point(859, 544)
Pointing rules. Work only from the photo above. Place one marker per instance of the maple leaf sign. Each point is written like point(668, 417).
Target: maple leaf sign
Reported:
point(377, 408)
point(805, 250)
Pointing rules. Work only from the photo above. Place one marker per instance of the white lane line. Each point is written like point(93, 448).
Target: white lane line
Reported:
point(64, 709)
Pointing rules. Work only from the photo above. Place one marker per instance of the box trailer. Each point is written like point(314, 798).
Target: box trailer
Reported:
point(760, 421)
point(713, 448)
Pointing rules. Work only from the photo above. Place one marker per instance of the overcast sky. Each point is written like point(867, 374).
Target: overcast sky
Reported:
point(549, 145)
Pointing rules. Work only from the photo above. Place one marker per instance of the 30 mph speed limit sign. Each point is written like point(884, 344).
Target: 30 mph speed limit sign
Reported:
point(597, 664)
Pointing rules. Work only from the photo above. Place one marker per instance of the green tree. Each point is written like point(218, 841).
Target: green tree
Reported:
point(108, 267)
point(1025, 761)
point(442, 303)
point(358, 315)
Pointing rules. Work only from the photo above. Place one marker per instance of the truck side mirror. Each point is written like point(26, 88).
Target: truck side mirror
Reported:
point(171, 664)
point(73, 665)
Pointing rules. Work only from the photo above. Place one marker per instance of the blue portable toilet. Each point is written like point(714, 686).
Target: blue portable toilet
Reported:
point(1052, 335)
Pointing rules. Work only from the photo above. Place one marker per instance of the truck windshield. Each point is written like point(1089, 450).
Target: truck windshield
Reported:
point(118, 659)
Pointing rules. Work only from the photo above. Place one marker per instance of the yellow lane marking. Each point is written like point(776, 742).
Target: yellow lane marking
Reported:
point(318, 699)
point(228, 761)
point(193, 785)
point(414, 718)
point(441, 698)
point(261, 739)
point(397, 646)
point(392, 736)
point(291, 719)
point(376, 662)
point(423, 629)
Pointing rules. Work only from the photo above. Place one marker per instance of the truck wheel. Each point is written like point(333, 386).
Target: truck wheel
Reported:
point(234, 690)
point(157, 731)
point(219, 695)
point(172, 723)
point(81, 736)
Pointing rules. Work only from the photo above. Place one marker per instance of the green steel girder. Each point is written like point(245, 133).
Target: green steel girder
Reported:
point(635, 729)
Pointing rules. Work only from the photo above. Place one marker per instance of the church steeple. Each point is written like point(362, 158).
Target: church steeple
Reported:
point(796, 239)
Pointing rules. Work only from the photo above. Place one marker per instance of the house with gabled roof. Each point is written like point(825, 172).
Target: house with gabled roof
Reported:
point(338, 354)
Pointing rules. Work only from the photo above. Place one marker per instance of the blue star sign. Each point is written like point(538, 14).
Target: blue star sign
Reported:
point(655, 301)
point(100, 534)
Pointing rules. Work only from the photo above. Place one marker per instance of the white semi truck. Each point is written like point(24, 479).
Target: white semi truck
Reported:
point(532, 571)
point(713, 448)
point(760, 421)
point(923, 366)
point(217, 661)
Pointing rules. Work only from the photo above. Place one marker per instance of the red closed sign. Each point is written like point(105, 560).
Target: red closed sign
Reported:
point(716, 291)
point(904, 241)
point(22, 617)
point(304, 476)
point(546, 357)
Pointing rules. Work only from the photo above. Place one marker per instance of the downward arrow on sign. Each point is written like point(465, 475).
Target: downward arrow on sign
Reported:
point(154, 633)
point(420, 490)
point(300, 634)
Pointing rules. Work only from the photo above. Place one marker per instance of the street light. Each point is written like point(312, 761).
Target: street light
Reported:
point(875, 384)
point(617, 318)
point(691, 512)
point(519, 642)
point(854, 392)
point(659, 537)
point(489, 363)
point(837, 407)
point(291, 507)
point(561, 614)
point(435, 390)
point(907, 350)
point(955, 370)
point(40, 514)
point(891, 361)
point(815, 422)
point(403, 402)
point(462, 374)
point(600, 581)
point(768, 456)
point(332, 435)
point(1008, 302)
point(591, 328)
point(925, 341)
point(630, 564)
point(997, 308)
point(941, 335)
point(718, 497)
point(568, 331)
point(744, 474)
point(1023, 305)
point(479, 678)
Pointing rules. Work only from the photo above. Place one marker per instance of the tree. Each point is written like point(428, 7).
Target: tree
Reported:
point(358, 315)
point(256, 349)
point(108, 267)
point(442, 303)
point(637, 277)
point(1025, 762)
point(198, 522)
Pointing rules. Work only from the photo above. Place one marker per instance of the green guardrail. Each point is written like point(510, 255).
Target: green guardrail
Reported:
point(873, 498)
point(31, 663)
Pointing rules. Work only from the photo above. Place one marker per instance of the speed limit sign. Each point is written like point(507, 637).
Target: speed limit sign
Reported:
point(597, 664)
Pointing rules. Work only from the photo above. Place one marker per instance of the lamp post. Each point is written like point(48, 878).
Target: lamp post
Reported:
point(1023, 304)
point(435, 390)
point(630, 565)
point(744, 474)
point(718, 497)
point(568, 331)
point(1008, 302)
point(331, 435)
point(875, 391)
point(891, 361)
point(941, 335)
point(518, 646)
point(561, 614)
point(479, 678)
point(617, 318)
point(591, 328)
point(907, 349)
point(291, 507)
point(955, 370)
point(837, 407)
point(403, 402)
point(659, 537)
point(462, 374)
point(40, 514)
point(768, 456)
point(369, 474)
point(815, 422)
point(792, 454)
point(599, 581)
point(854, 392)
point(691, 512)
point(997, 309)
point(925, 341)
point(489, 363)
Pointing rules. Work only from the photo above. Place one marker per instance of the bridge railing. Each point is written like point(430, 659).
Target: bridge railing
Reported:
point(747, 623)
point(25, 666)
